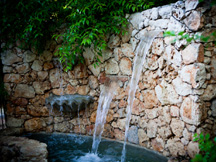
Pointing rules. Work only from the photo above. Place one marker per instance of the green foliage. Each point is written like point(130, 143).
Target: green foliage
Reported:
point(88, 23)
point(189, 38)
point(207, 148)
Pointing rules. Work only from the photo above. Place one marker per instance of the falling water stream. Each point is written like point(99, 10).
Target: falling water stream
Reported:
point(141, 53)
point(105, 99)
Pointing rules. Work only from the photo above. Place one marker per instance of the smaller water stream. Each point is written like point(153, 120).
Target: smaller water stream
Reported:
point(103, 106)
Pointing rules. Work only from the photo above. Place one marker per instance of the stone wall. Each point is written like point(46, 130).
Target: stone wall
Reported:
point(176, 92)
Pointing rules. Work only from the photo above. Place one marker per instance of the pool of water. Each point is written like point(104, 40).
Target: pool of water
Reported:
point(74, 148)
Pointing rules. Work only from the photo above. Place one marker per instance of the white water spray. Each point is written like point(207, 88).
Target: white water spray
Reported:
point(141, 53)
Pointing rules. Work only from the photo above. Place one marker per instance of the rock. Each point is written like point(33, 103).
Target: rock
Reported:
point(190, 111)
point(95, 69)
point(127, 50)
point(114, 41)
point(126, 37)
point(166, 94)
point(106, 54)
point(83, 90)
point(9, 58)
point(213, 107)
point(135, 19)
point(178, 13)
point(28, 56)
point(174, 25)
point(118, 53)
point(119, 135)
point(125, 66)
point(121, 123)
point(151, 113)
point(70, 89)
point(133, 135)
point(165, 132)
point(150, 99)
point(80, 71)
point(194, 21)
point(23, 68)
point(181, 87)
point(42, 75)
point(177, 58)
point(210, 92)
point(93, 82)
point(193, 53)
point(142, 136)
point(194, 74)
point(158, 144)
point(7, 69)
point(23, 90)
point(157, 46)
point(48, 66)
point(46, 56)
point(14, 122)
point(154, 13)
point(111, 67)
point(177, 127)
point(12, 78)
point(193, 149)
point(34, 124)
point(37, 65)
point(191, 4)
point(62, 127)
point(37, 111)
point(165, 11)
point(41, 87)
point(20, 102)
point(151, 129)
point(55, 78)
point(175, 147)
point(174, 111)
point(161, 23)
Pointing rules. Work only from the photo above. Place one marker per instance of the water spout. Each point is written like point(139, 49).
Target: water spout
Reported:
point(141, 53)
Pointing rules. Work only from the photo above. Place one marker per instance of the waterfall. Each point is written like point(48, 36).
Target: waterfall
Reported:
point(105, 99)
point(140, 56)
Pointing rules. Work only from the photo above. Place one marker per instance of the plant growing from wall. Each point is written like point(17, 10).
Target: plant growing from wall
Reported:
point(207, 148)
point(88, 22)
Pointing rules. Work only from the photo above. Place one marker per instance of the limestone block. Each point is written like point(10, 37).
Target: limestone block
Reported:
point(175, 25)
point(150, 98)
point(193, 149)
point(158, 144)
point(210, 92)
point(23, 68)
point(127, 50)
point(62, 127)
point(213, 67)
point(151, 113)
point(135, 19)
point(7, 69)
point(126, 37)
point(41, 87)
point(175, 147)
point(151, 129)
point(162, 23)
point(194, 21)
point(177, 127)
point(119, 135)
point(191, 4)
point(48, 65)
point(165, 132)
point(181, 87)
point(28, 56)
point(111, 67)
point(193, 53)
point(114, 41)
point(121, 123)
point(37, 111)
point(142, 136)
point(133, 135)
point(12, 78)
point(213, 107)
point(194, 74)
point(9, 58)
point(42, 75)
point(83, 90)
point(157, 46)
point(174, 111)
point(46, 56)
point(125, 66)
point(166, 94)
point(95, 69)
point(23, 90)
point(80, 71)
point(14, 122)
point(37, 65)
point(34, 124)
point(178, 13)
point(190, 111)
point(165, 11)
point(154, 13)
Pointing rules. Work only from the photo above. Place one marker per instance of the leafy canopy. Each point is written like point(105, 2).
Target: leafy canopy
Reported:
point(88, 22)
